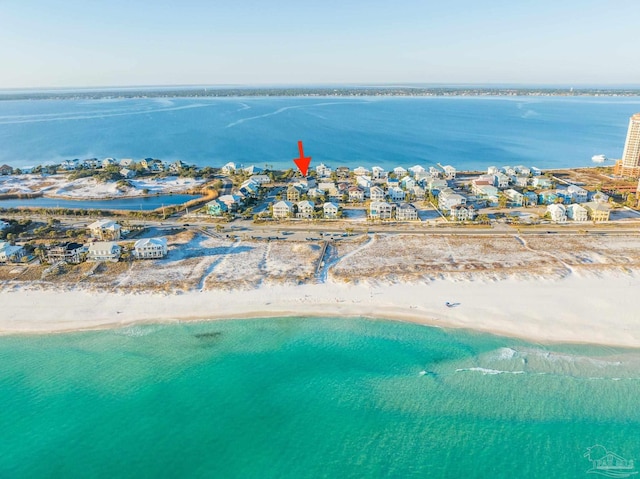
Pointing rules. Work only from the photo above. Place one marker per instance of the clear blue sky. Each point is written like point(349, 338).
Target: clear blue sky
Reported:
point(44, 43)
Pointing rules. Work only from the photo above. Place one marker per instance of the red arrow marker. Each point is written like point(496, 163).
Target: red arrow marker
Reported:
point(303, 162)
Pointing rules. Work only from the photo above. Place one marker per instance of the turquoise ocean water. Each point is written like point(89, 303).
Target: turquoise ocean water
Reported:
point(467, 132)
point(298, 398)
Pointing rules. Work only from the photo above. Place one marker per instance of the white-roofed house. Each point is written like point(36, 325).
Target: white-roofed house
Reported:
point(261, 179)
point(150, 248)
point(577, 212)
point(376, 193)
point(305, 209)
point(104, 230)
point(407, 182)
point(418, 192)
point(396, 193)
point(361, 171)
point(515, 197)
point(400, 171)
point(283, 209)
point(229, 168)
point(379, 210)
point(365, 182)
point(417, 170)
point(448, 199)
point(11, 253)
point(557, 212)
point(330, 210)
point(104, 251)
point(462, 213)
point(323, 171)
point(578, 194)
point(378, 173)
point(449, 171)
point(127, 173)
point(232, 201)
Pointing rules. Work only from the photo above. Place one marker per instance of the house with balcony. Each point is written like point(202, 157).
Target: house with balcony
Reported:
point(378, 173)
point(294, 193)
point(541, 182)
point(216, 208)
point(598, 212)
point(557, 212)
point(330, 210)
point(11, 253)
point(379, 210)
point(323, 171)
point(462, 213)
point(396, 193)
point(69, 252)
point(406, 212)
point(447, 199)
point(578, 194)
point(104, 251)
point(305, 210)
point(150, 248)
point(283, 209)
point(577, 212)
point(515, 197)
point(356, 194)
point(377, 194)
point(361, 171)
point(104, 230)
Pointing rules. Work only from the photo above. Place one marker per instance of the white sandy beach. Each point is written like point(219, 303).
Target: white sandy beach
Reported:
point(599, 310)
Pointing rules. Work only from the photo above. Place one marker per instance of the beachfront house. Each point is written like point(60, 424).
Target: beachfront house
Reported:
point(378, 173)
point(598, 212)
point(521, 181)
point(150, 248)
point(68, 252)
point(400, 172)
point(3, 225)
point(557, 212)
point(11, 253)
point(323, 171)
point(104, 251)
point(449, 171)
point(330, 210)
point(406, 212)
point(379, 210)
point(577, 212)
point(522, 170)
point(283, 209)
point(229, 168)
point(216, 208)
point(127, 173)
point(361, 171)
point(305, 209)
point(104, 230)
point(501, 180)
point(418, 171)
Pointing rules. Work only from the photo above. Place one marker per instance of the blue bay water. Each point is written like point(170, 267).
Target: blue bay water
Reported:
point(307, 398)
point(467, 132)
point(144, 203)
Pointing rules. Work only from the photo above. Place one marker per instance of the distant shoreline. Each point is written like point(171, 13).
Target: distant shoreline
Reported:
point(332, 92)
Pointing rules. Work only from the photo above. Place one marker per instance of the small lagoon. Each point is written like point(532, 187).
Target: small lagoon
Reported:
point(146, 203)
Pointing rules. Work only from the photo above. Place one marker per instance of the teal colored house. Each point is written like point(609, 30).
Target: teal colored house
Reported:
point(216, 208)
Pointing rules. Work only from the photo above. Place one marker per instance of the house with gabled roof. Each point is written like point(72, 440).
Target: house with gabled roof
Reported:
point(379, 210)
point(376, 193)
point(406, 212)
point(598, 212)
point(283, 209)
point(11, 253)
point(69, 252)
point(578, 194)
point(447, 198)
point(396, 193)
point(557, 212)
point(148, 248)
point(356, 194)
point(216, 208)
point(305, 209)
point(104, 230)
point(577, 212)
point(407, 182)
point(462, 213)
point(330, 210)
point(104, 251)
